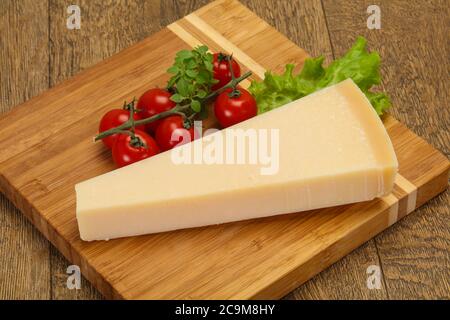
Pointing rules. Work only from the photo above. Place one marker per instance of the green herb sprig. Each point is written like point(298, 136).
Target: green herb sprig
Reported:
point(190, 84)
point(192, 77)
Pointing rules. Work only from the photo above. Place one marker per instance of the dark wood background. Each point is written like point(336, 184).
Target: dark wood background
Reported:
point(37, 51)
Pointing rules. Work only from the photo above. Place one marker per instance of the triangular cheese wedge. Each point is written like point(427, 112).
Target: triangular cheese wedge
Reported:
point(329, 148)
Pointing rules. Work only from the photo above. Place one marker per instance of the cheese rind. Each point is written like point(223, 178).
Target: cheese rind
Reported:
point(333, 150)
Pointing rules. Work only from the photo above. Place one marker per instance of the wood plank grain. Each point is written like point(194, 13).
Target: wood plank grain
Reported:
point(346, 279)
point(415, 252)
point(302, 22)
point(24, 252)
point(172, 10)
point(107, 28)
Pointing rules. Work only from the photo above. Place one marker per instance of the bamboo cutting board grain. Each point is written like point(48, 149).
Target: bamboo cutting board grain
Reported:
point(46, 148)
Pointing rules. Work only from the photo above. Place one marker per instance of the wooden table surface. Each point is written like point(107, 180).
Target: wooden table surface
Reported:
point(37, 51)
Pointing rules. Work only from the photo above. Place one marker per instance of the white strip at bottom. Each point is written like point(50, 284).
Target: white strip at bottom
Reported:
point(392, 201)
point(410, 189)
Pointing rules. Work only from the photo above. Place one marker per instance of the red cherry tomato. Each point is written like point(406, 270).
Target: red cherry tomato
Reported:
point(171, 132)
point(125, 153)
point(230, 110)
point(114, 118)
point(152, 102)
point(221, 69)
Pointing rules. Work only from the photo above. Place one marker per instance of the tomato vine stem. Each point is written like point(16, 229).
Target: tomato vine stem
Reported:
point(131, 123)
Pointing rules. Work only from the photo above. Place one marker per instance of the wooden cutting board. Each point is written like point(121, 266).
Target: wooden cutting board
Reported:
point(46, 148)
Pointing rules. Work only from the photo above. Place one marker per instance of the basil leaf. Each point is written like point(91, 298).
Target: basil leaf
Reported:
point(177, 98)
point(196, 105)
point(182, 87)
point(173, 70)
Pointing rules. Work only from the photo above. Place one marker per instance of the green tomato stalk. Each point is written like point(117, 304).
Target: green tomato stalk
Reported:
point(177, 110)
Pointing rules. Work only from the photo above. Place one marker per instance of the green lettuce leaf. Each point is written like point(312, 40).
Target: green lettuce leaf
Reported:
point(358, 64)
